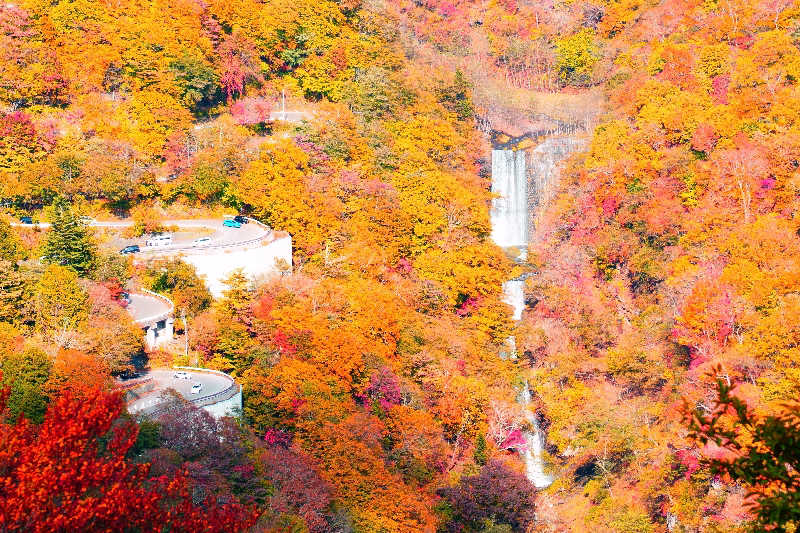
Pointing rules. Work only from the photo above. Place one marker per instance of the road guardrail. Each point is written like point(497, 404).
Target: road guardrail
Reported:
point(160, 316)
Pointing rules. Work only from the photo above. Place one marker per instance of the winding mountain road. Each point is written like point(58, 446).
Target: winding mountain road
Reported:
point(147, 308)
point(212, 385)
point(221, 236)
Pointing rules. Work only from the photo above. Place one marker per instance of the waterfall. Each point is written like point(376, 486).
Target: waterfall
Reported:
point(533, 456)
point(514, 295)
point(509, 213)
point(511, 219)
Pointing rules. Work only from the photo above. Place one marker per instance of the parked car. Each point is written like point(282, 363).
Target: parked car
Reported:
point(181, 375)
point(124, 299)
point(26, 220)
point(132, 249)
point(129, 374)
point(159, 239)
point(202, 241)
point(241, 219)
point(232, 224)
point(86, 219)
point(196, 388)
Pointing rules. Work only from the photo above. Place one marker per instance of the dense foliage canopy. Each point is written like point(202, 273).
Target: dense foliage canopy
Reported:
point(375, 398)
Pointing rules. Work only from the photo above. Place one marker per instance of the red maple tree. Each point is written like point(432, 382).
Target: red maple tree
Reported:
point(71, 473)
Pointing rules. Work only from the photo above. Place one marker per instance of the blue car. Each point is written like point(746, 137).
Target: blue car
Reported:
point(132, 249)
point(232, 224)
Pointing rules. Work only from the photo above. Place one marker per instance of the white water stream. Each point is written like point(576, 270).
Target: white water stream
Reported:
point(534, 458)
point(509, 214)
point(510, 217)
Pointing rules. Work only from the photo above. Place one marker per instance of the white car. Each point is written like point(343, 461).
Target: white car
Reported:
point(180, 375)
point(202, 241)
point(159, 239)
point(196, 388)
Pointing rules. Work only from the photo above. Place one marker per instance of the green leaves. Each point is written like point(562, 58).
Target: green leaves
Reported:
point(577, 55)
point(198, 82)
point(68, 241)
point(764, 454)
point(25, 373)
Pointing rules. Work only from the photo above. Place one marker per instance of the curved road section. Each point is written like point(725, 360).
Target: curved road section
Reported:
point(149, 308)
point(215, 387)
point(214, 249)
point(221, 236)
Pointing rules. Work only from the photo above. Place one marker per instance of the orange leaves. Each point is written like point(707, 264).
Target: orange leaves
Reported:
point(709, 314)
point(78, 374)
point(350, 453)
point(704, 138)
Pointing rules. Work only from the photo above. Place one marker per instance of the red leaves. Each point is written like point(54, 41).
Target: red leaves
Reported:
point(249, 111)
point(71, 474)
point(384, 386)
point(690, 460)
point(704, 138)
point(280, 340)
point(469, 305)
point(239, 61)
point(719, 89)
point(19, 140)
point(515, 440)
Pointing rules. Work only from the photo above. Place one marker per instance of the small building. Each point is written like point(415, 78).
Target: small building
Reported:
point(155, 314)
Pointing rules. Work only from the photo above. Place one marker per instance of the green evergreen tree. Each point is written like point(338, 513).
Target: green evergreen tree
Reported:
point(25, 373)
point(764, 454)
point(480, 454)
point(457, 96)
point(68, 242)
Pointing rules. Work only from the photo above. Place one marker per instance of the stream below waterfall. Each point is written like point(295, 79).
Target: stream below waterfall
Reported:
point(524, 182)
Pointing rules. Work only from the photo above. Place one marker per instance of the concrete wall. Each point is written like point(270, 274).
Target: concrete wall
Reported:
point(156, 337)
point(229, 407)
point(256, 261)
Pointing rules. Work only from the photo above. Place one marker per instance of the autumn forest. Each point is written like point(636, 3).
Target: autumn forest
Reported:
point(378, 266)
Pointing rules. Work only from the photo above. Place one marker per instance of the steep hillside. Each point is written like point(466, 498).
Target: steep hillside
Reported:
point(375, 395)
point(375, 361)
point(670, 248)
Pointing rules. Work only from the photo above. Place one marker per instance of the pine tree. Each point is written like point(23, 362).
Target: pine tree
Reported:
point(68, 241)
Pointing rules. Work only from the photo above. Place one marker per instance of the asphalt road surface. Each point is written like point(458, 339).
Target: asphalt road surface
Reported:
point(165, 379)
point(144, 306)
point(189, 230)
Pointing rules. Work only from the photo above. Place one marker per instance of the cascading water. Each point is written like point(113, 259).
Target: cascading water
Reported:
point(534, 458)
point(510, 217)
point(509, 213)
point(514, 295)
